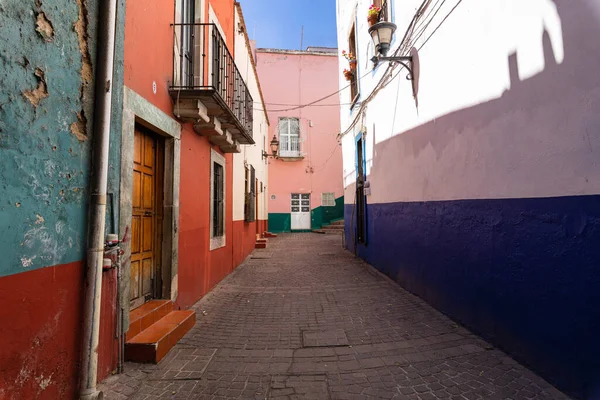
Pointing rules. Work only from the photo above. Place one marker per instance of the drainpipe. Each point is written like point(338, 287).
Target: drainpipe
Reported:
point(93, 281)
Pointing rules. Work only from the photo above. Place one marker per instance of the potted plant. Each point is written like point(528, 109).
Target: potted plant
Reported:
point(348, 74)
point(373, 14)
point(351, 59)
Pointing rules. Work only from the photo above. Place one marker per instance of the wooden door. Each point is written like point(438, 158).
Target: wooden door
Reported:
point(256, 211)
point(146, 221)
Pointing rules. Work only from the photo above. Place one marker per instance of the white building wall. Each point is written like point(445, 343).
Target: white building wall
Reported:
point(484, 53)
point(250, 155)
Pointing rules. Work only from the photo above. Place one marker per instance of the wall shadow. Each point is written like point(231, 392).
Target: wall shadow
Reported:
point(521, 272)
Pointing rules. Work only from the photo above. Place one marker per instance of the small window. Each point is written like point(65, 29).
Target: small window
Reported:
point(250, 199)
point(217, 201)
point(354, 81)
point(289, 137)
point(328, 199)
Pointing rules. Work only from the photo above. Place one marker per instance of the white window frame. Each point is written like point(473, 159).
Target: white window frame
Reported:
point(328, 199)
point(216, 242)
point(288, 152)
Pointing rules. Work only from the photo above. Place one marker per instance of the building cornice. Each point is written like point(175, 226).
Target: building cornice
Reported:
point(252, 60)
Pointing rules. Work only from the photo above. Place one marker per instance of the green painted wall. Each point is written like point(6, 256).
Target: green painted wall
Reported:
point(325, 215)
point(47, 59)
point(280, 222)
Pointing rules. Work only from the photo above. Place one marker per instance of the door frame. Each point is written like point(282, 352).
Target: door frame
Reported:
point(361, 199)
point(309, 214)
point(158, 201)
point(137, 110)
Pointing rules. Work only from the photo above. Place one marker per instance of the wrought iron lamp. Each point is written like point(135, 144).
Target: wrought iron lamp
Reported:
point(381, 34)
point(274, 144)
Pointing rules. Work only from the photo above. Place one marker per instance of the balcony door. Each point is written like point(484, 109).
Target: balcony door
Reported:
point(289, 137)
point(300, 211)
point(360, 191)
point(188, 35)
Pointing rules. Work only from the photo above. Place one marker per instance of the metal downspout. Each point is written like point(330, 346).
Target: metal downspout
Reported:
point(97, 208)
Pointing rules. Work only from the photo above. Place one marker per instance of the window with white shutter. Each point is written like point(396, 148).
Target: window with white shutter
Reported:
point(289, 137)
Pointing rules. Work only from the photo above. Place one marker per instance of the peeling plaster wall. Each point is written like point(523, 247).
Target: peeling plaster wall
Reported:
point(45, 165)
point(47, 67)
point(46, 76)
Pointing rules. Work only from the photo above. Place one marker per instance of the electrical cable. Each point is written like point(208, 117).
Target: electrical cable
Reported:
point(423, 25)
point(318, 100)
point(321, 167)
point(386, 78)
point(440, 24)
point(426, 24)
point(388, 71)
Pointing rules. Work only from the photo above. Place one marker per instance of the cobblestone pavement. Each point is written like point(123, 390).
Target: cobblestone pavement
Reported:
point(304, 319)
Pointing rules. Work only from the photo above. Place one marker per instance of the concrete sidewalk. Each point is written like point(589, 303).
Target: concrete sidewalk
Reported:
point(304, 319)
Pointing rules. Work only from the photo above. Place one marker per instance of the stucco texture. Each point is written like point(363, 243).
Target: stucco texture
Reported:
point(308, 77)
point(484, 199)
point(44, 141)
point(47, 67)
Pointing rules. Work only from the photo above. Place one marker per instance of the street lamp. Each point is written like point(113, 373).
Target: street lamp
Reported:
point(274, 144)
point(381, 34)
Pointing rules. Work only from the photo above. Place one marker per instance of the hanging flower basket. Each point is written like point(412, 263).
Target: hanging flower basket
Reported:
point(373, 15)
point(348, 74)
point(351, 59)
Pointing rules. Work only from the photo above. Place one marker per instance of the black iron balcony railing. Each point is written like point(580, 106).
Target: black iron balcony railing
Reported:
point(203, 63)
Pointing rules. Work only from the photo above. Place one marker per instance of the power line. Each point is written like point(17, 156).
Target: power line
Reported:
point(387, 78)
point(440, 24)
point(318, 100)
point(322, 166)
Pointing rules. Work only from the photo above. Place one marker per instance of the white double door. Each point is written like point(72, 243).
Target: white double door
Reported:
point(300, 210)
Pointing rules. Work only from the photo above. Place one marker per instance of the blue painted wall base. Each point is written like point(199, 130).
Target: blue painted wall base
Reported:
point(523, 273)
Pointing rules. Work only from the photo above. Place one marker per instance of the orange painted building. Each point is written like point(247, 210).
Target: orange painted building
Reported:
point(186, 186)
point(191, 160)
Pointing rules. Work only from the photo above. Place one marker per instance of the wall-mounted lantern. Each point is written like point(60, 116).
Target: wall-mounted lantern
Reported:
point(274, 144)
point(381, 34)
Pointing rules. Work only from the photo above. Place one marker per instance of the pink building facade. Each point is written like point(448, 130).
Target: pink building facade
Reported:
point(305, 178)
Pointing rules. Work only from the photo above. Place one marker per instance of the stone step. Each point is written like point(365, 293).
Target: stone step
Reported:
point(340, 222)
point(260, 245)
point(154, 342)
point(142, 317)
point(329, 231)
point(333, 227)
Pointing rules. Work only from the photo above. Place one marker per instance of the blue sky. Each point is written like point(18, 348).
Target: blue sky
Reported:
point(278, 23)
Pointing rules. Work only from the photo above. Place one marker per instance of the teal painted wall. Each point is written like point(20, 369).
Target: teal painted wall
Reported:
point(325, 215)
point(46, 114)
point(280, 222)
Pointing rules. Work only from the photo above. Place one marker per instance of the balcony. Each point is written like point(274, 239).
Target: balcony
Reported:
point(207, 87)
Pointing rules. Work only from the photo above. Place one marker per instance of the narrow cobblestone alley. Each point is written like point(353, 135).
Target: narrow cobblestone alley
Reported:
point(304, 319)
